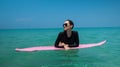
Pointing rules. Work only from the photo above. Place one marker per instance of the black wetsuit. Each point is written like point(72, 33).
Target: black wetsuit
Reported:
point(72, 41)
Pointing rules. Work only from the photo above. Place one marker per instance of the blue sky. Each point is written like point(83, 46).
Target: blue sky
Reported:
point(53, 13)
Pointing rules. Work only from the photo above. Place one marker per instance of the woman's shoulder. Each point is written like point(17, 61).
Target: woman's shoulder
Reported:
point(75, 33)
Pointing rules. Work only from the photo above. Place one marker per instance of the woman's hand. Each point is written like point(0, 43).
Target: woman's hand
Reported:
point(61, 44)
point(64, 45)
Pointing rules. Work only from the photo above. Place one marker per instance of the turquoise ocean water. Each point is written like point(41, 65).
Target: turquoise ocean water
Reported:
point(107, 55)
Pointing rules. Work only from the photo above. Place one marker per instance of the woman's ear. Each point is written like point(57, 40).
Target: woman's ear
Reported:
point(71, 26)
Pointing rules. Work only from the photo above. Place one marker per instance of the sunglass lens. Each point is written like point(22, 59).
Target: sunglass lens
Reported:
point(65, 25)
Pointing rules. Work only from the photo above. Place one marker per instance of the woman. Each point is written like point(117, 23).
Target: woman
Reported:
point(67, 38)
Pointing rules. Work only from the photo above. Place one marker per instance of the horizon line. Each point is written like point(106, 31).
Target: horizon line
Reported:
point(59, 27)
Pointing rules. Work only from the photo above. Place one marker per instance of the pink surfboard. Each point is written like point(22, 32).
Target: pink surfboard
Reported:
point(40, 48)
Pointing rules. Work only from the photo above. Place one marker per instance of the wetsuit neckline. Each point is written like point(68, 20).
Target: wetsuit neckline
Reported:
point(67, 35)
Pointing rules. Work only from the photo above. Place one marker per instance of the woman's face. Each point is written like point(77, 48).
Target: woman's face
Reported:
point(67, 25)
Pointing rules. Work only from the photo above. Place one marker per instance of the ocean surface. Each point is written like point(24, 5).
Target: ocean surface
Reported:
point(107, 55)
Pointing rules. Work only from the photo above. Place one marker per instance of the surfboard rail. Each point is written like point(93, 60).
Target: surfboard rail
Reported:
point(40, 48)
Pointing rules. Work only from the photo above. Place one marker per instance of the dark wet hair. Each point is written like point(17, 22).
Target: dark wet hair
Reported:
point(71, 23)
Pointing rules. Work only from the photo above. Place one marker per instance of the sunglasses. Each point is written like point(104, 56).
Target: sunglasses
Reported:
point(65, 25)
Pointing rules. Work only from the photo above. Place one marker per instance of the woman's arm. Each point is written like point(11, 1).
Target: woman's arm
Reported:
point(57, 42)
